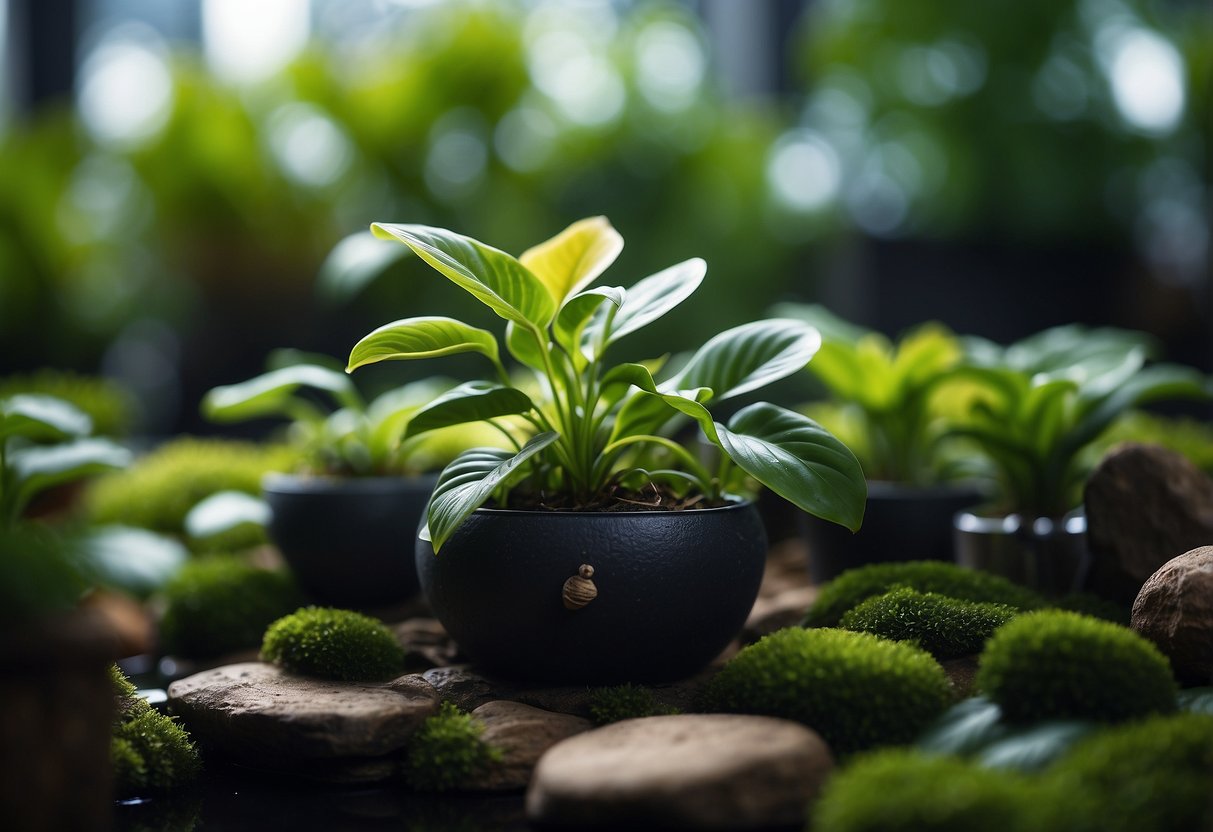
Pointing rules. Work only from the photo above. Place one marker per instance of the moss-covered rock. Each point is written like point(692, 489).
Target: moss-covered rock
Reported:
point(909, 791)
point(158, 491)
point(333, 644)
point(447, 752)
point(1055, 664)
point(945, 627)
point(221, 604)
point(615, 704)
point(856, 585)
point(150, 751)
point(857, 690)
point(1154, 774)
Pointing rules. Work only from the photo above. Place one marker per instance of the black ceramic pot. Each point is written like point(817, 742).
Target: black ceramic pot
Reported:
point(673, 588)
point(1048, 555)
point(900, 523)
point(349, 541)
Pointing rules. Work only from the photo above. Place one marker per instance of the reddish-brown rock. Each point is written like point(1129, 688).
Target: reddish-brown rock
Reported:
point(1175, 611)
point(1144, 505)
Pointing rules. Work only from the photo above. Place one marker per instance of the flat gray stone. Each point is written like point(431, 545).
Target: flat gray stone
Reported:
point(690, 771)
point(522, 734)
point(256, 712)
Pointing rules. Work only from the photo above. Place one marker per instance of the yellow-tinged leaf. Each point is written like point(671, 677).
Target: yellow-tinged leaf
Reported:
point(572, 259)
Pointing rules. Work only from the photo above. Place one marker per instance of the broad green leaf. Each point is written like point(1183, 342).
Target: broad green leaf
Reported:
point(1034, 748)
point(424, 337)
point(522, 344)
point(575, 257)
point(575, 315)
point(224, 511)
point(648, 300)
point(1063, 349)
point(468, 481)
point(272, 393)
point(1156, 383)
point(355, 262)
point(923, 356)
point(37, 468)
point(387, 417)
point(797, 459)
point(491, 276)
point(647, 412)
point(470, 402)
point(748, 357)
point(35, 416)
point(965, 728)
point(135, 560)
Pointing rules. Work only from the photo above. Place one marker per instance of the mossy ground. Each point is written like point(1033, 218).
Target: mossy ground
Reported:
point(447, 751)
point(945, 627)
point(150, 751)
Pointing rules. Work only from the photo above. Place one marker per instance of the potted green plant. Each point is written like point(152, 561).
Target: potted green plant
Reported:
point(1031, 410)
point(885, 403)
point(601, 550)
point(56, 703)
point(343, 522)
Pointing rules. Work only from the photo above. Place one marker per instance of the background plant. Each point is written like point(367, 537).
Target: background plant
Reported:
point(592, 430)
point(884, 393)
point(1035, 407)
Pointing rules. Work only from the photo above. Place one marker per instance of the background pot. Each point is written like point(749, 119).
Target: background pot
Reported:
point(674, 587)
point(1048, 555)
point(900, 523)
point(349, 541)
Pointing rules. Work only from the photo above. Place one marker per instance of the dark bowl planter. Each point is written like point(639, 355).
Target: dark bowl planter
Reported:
point(673, 589)
point(900, 523)
point(348, 541)
point(1047, 554)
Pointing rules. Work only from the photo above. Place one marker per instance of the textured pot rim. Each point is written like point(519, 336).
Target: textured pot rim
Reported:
point(311, 484)
point(970, 522)
point(692, 512)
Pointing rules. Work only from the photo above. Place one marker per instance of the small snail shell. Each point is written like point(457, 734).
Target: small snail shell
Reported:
point(579, 590)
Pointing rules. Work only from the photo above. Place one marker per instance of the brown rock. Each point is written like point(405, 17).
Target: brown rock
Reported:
point(258, 713)
point(522, 734)
point(426, 643)
point(701, 771)
point(1144, 505)
point(1175, 611)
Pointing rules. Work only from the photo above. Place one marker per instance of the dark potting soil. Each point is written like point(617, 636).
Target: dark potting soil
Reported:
point(652, 498)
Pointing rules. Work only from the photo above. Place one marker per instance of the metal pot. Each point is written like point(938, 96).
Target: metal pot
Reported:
point(1047, 554)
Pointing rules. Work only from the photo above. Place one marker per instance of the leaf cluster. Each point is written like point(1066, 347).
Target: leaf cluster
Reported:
point(1054, 664)
point(628, 701)
point(888, 390)
point(149, 750)
point(593, 425)
point(109, 406)
point(856, 690)
point(1034, 407)
point(447, 751)
point(854, 586)
point(333, 644)
point(44, 442)
point(220, 604)
point(945, 627)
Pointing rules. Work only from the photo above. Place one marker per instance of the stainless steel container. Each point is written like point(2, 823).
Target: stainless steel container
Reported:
point(1047, 554)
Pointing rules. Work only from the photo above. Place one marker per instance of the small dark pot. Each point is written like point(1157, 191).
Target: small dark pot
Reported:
point(900, 523)
point(1048, 555)
point(673, 588)
point(348, 540)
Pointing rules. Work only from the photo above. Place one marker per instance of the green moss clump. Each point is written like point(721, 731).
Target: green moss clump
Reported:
point(856, 585)
point(1154, 774)
point(1057, 665)
point(909, 791)
point(857, 690)
point(447, 751)
point(150, 751)
point(158, 491)
point(621, 702)
point(221, 604)
point(110, 406)
point(945, 627)
point(333, 644)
